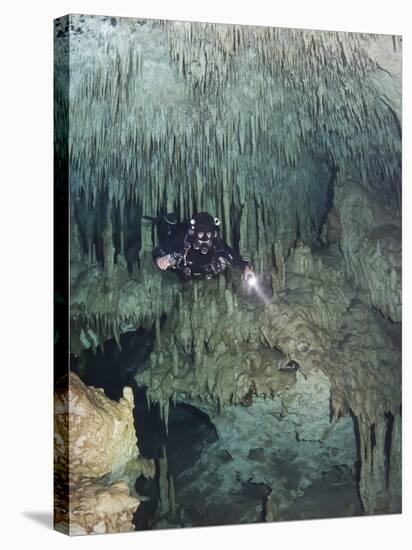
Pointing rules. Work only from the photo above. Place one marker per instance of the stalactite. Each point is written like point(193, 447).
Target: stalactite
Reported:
point(90, 250)
point(165, 414)
point(158, 334)
point(116, 334)
point(108, 248)
point(333, 58)
point(175, 361)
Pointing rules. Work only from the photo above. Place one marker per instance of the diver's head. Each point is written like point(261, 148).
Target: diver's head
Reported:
point(204, 229)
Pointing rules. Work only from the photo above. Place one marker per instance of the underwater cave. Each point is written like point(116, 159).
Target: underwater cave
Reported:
point(276, 402)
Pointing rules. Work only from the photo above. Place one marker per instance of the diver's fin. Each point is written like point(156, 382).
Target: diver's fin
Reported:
point(152, 219)
point(170, 218)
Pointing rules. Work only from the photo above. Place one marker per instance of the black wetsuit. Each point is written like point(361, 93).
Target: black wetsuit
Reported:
point(190, 262)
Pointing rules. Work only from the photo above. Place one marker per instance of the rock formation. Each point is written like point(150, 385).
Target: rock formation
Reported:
point(224, 354)
point(371, 244)
point(95, 437)
point(97, 509)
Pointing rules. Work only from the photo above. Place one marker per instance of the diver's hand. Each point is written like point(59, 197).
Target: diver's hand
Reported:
point(163, 262)
point(247, 272)
point(249, 277)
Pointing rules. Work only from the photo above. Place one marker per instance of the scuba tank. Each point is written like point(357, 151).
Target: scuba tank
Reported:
point(167, 226)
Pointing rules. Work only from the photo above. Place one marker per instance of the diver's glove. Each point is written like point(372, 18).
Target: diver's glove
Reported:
point(163, 262)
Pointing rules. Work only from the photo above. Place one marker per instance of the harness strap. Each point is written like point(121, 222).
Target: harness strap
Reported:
point(187, 246)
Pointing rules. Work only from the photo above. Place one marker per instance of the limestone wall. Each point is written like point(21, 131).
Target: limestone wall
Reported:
point(94, 438)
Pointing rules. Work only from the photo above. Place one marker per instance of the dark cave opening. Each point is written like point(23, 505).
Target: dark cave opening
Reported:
point(189, 431)
point(112, 368)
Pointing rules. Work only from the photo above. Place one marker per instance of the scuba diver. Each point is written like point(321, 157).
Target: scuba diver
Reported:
point(198, 252)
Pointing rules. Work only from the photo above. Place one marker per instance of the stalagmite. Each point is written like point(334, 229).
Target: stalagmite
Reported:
point(269, 510)
point(164, 505)
point(229, 302)
point(172, 496)
point(221, 288)
point(395, 466)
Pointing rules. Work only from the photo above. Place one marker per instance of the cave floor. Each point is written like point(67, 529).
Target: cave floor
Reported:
point(210, 491)
point(324, 500)
point(246, 504)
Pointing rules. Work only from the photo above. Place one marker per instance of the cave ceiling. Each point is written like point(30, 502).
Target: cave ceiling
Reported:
point(191, 116)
